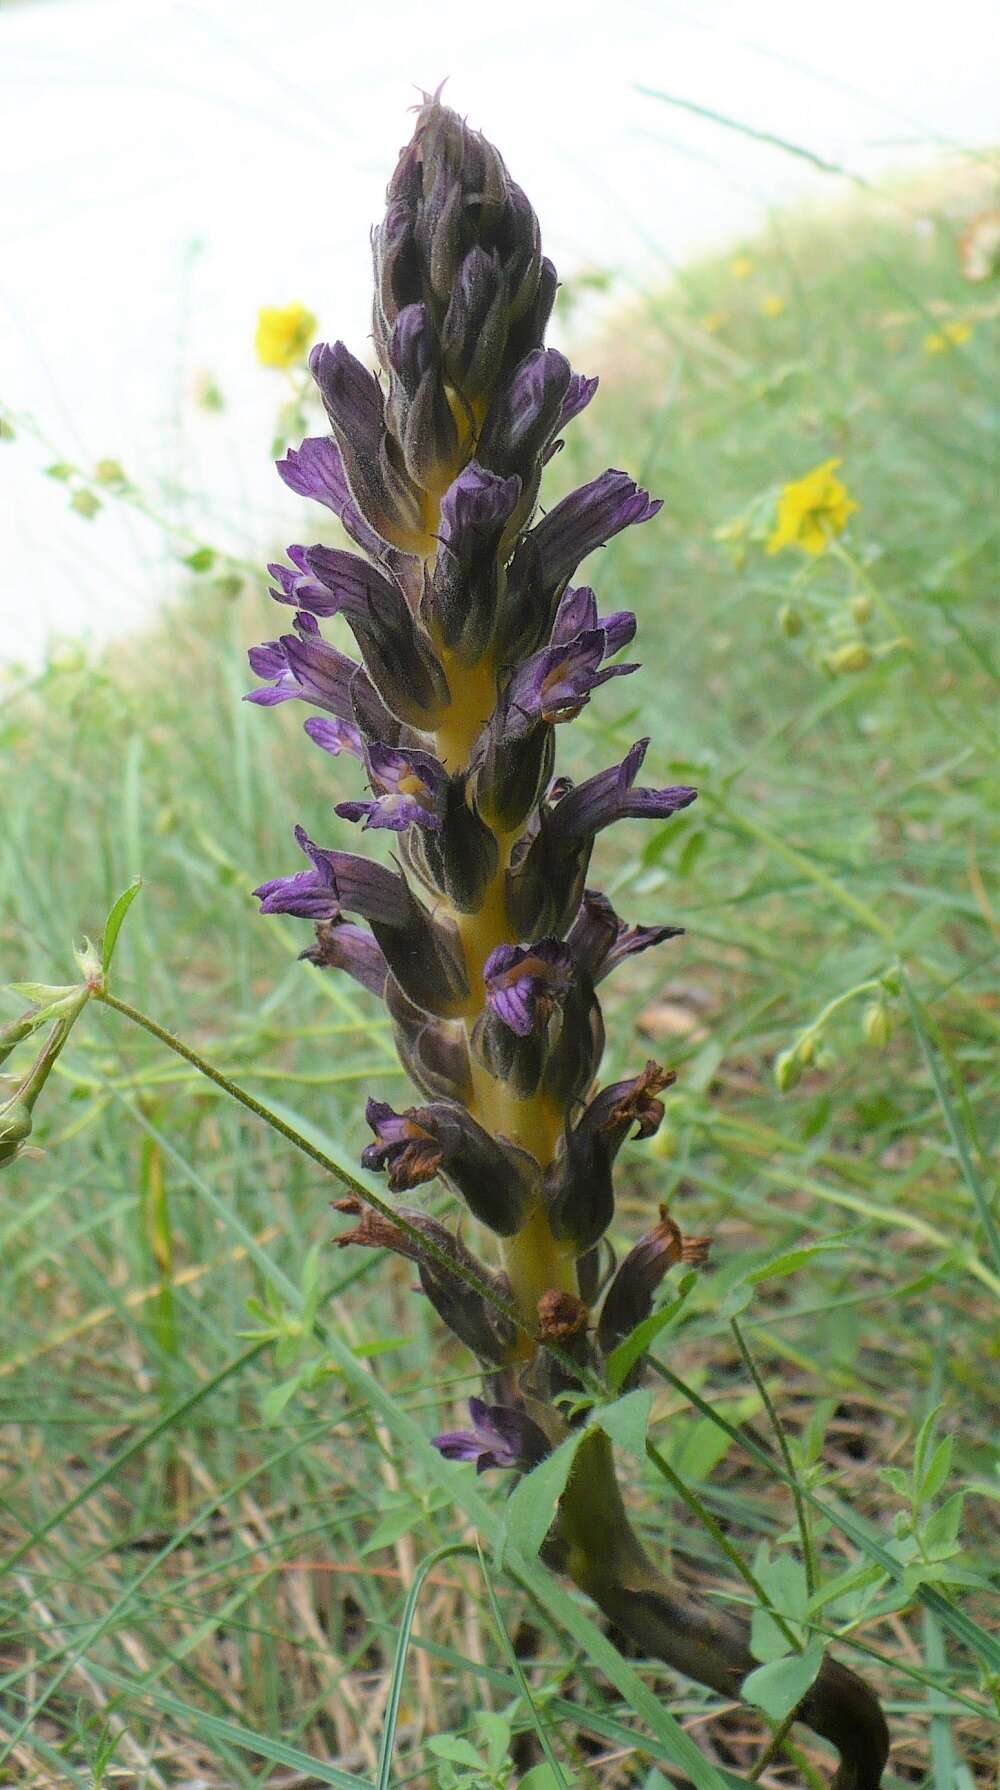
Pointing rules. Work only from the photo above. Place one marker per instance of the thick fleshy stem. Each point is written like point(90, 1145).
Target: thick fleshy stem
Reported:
point(595, 1544)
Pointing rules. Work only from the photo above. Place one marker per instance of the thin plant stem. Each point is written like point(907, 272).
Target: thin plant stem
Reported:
point(802, 1515)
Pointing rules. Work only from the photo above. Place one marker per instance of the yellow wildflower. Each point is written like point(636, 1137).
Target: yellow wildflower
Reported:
point(950, 335)
point(283, 335)
point(772, 305)
point(741, 267)
point(811, 511)
point(713, 322)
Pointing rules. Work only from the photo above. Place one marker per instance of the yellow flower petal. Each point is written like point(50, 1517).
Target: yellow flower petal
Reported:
point(772, 304)
point(812, 511)
point(283, 335)
point(741, 267)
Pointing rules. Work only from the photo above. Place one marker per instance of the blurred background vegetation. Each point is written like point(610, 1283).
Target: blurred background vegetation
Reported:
point(210, 1538)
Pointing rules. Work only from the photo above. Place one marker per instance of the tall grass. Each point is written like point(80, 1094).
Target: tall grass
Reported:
point(214, 1511)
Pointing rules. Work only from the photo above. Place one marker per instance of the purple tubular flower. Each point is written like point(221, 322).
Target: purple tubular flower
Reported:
point(501, 1436)
point(379, 488)
point(334, 736)
point(409, 791)
point(339, 945)
point(496, 1179)
point(555, 683)
point(305, 667)
point(599, 940)
point(579, 1184)
point(525, 982)
point(297, 586)
point(527, 414)
point(609, 796)
point(629, 1298)
point(577, 614)
point(420, 952)
point(578, 396)
point(551, 552)
point(547, 884)
point(397, 652)
point(316, 470)
point(475, 512)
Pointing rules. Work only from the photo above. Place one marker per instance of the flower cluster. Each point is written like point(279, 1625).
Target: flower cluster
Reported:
point(474, 644)
point(485, 939)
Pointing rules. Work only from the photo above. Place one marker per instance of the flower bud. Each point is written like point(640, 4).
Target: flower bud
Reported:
point(860, 607)
point(877, 1025)
point(853, 656)
point(790, 621)
point(787, 1070)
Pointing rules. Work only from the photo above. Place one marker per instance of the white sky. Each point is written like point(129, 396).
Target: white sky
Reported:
point(171, 166)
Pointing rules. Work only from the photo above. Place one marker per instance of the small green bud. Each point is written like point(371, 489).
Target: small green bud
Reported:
point(860, 607)
point(806, 1049)
point(854, 656)
point(788, 1070)
point(15, 1129)
point(109, 472)
point(85, 503)
point(790, 621)
point(902, 1525)
point(877, 1025)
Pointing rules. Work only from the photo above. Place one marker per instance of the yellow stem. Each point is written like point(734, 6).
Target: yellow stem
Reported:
point(534, 1260)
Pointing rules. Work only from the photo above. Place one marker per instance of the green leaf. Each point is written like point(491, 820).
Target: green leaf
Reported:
point(540, 1777)
point(627, 1420)
point(777, 1688)
point(636, 1344)
point(792, 1259)
point(495, 1733)
point(201, 560)
point(700, 1447)
point(532, 1504)
point(921, 1446)
point(784, 1581)
point(44, 994)
point(115, 920)
point(941, 1530)
point(390, 1527)
point(937, 1472)
point(453, 1747)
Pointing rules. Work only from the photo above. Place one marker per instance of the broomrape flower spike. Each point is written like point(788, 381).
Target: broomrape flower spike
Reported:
point(484, 939)
point(812, 511)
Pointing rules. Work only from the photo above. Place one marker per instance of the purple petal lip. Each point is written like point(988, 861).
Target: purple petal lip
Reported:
point(500, 1437)
point(522, 982)
point(478, 502)
point(334, 736)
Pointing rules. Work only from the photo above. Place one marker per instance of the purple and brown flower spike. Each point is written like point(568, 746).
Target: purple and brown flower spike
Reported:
point(471, 646)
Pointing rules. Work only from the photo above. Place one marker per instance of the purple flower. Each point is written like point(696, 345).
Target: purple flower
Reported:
point(501, 1436)
point(584, 520)
point(495, 1178)
point(379, 487)
point(340, 945)
point(600, 940)
point(578, 396)
point(524, 983)
point(527, 414)
point(297, 586)
point(555, 684)
point(304, 667)
point(610, 796)
point(334, 736)
point(337, 879)
point(409, 790)
point(474, 510)
point(577, 613)
point(316, 470)
point(402, 1146)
